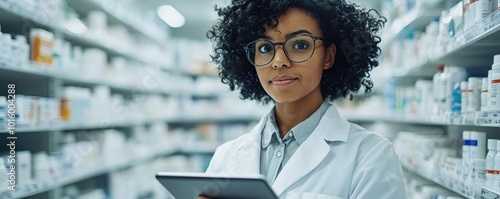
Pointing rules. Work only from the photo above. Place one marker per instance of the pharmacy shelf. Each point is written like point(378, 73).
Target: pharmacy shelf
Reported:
point(475, 49)
point(422, 68)
point(417, 19)
point(135, 23)
point(123, 124)
point(395, 118)
point(70, 127)
point(480, 43)
point(69, 177)
point(35, 71)
point(436, 179)
point(14, 14)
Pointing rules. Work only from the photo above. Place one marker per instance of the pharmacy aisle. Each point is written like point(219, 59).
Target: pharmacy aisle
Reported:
point(96, 99)
point(97, 96)
point(437, 82)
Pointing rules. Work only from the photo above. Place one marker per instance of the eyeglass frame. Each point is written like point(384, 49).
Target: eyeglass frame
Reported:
point(314, 37)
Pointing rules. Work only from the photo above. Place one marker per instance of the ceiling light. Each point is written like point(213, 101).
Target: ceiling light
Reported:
point(170, 16)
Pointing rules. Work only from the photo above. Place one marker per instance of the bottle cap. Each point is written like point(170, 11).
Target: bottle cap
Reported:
point(496, 62)
point(21, 38)
point(492, 144)
point(484, 84)
point(464, 86)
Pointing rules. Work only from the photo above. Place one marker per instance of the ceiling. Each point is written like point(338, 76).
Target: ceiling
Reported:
point(200, 14)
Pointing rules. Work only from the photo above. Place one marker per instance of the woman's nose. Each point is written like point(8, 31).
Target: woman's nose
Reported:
point(280, 58)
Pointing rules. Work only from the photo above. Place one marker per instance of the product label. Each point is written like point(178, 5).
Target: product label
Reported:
point(495, 95)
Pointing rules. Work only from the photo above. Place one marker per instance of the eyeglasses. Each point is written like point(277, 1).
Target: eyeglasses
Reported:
point(297, 49)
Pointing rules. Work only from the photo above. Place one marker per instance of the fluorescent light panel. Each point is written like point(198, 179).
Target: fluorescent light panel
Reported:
point(171, 16)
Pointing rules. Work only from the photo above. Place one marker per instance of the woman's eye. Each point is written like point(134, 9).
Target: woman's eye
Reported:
point(265, 48)
point(300, 45)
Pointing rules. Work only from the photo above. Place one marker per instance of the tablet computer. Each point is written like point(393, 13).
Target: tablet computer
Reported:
point(190, 185)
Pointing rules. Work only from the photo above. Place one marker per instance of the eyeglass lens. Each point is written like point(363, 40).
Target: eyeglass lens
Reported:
point(297, 49)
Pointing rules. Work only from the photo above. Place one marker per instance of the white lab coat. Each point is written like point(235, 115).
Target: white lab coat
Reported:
point(338, 160)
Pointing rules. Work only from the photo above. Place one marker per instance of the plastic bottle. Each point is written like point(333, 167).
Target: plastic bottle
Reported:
point(464, 95)
point(472, 12)
point(494, 83)
point(453, 76)
point(438, 90)
point(474, 94)
point(496, 182)
point(24, 50)
point(490, 162)
point(484, 94)
point(477, 151)
point(466, 154)
point(5, 48)
point(482, 9)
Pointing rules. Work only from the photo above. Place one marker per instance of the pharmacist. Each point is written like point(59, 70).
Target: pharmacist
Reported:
point(299, 55)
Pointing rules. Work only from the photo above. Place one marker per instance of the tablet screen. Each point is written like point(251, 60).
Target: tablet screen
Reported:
point(190, 185)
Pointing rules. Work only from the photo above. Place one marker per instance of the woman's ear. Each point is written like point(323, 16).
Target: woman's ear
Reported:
point(331, 51)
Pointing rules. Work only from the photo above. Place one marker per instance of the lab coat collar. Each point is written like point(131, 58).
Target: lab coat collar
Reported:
point(332, 127)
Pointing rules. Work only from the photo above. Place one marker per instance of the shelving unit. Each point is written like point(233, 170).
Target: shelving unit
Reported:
point(69, 177)
point(416, 19)
point(46, 82)
point(472, 49)
point(436, 179)
point(480, 42)
point(122, 17)
point(13, 14)
point(420, 120)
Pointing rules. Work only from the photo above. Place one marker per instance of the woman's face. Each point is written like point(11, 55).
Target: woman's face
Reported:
point(286, 81)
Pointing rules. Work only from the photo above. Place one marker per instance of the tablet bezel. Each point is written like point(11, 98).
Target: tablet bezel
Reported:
point(216, 185)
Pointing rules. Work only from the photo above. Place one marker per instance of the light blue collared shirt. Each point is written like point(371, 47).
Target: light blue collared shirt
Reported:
point(275, 151)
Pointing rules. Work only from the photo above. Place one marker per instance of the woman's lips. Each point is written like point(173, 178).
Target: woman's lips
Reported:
point(282, 80)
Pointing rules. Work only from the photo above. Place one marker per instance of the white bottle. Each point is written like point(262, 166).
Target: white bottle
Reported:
point(466, 154)
point(496, 182)
point(490, 162)
point(437, 86)
point(24, 50)
point(482, 9)
point(6, 48)
point(465, 96)
point(494, 83)
point(484, 94)
point(474, 98)
point(477, 151)
point(472, 13)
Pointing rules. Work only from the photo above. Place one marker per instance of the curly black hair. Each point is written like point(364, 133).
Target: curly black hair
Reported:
point(350, 27)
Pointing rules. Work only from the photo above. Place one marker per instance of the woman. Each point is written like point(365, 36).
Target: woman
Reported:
point(299, 55)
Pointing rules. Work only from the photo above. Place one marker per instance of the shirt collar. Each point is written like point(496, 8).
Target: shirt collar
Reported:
point(301, 131)
point(270, 129)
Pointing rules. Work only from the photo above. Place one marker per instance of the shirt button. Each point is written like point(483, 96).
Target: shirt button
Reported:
point(278, 154)
point(290, 134)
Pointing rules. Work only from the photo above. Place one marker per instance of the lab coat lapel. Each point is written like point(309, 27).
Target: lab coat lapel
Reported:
point(307, 157)
point(247, 156)
point(332, 127)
